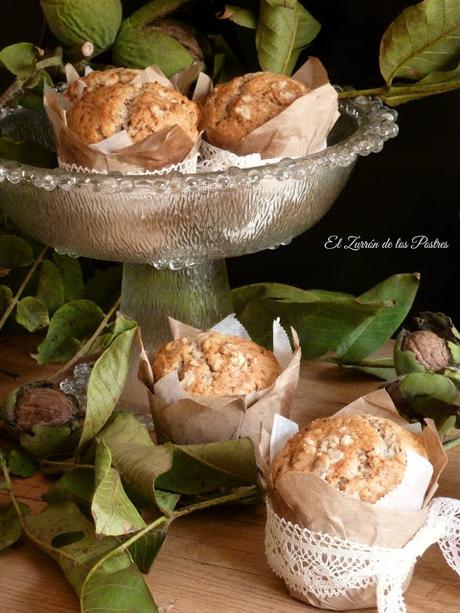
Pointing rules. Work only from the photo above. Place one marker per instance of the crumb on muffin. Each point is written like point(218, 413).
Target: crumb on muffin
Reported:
point(363, 456)
point(112, 102)
point(236, 108)
point(214, 364)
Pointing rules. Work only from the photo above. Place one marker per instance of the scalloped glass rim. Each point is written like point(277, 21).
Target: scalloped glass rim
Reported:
point(375, 125)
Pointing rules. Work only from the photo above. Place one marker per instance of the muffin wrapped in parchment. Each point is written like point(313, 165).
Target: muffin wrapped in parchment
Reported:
point(350, 504)
point(132, 121)
point(260, 117)
point(218, 385)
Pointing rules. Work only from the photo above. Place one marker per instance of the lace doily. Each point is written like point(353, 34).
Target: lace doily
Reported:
point(213, 158)
point(189, 165)
point(328, 567)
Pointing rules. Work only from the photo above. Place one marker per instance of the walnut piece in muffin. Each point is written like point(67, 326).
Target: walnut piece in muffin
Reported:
point(236, 108)
point(112, 102)
point(361, 455)
point(215, 364)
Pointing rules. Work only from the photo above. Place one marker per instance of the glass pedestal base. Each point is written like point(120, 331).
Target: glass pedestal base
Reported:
point(199, 296)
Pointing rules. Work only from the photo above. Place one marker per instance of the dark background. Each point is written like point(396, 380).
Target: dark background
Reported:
point(410, 188)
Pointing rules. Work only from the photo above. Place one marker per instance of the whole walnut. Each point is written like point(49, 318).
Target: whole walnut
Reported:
point(428, 348)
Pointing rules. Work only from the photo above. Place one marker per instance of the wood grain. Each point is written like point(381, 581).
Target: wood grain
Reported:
point(212, 562)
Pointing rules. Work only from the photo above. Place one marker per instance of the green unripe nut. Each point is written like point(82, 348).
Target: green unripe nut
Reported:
point(76, 22)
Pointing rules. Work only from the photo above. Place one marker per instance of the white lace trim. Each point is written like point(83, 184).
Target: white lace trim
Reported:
point(213, 158)
point(187, 166)
point(328, 567)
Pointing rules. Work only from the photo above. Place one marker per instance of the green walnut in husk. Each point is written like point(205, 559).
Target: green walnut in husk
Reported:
point(147, 37)
point(434, 347)
point(84, 22)
point(42, 418)
point(425, 394)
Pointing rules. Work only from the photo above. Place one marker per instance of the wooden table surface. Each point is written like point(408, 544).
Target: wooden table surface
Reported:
point(213, 561)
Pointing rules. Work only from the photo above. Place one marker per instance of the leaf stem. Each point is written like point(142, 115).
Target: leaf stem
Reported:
point(66, 466)
point(242, 492)
point(22, 287)
point(354, 93)
point(83, 350)
point(158, 522)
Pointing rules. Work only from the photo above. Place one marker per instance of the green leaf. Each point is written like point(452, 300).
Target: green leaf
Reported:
point(322, 319)
point(275, 34)
point(399, 291)
point(226, 63)
point(154, 10)
point(21, 465)
point(45, 440)
point(135, 457)
point(145, 549)
point(50, 289)
point(189, 469)
point(20, 59)
point(75, 486)
point(200, 469)
point(107, 379)
point(307, 29)
point(10, 526)
point(6, 297)
point(70, 324)
point(442, 76)
point(32, 314)
point(431, 385)
point(424, 38)
point(14, 251)
point(243, 17)
point(116, 586)
point(105, 286)
point(113, 512)
point(26, 152)
point(71, 275)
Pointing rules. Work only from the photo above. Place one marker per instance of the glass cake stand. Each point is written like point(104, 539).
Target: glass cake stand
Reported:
point(173, 232)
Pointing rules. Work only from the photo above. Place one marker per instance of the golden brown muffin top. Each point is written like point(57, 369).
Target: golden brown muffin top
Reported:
point(215, 364)
point(236, 108)
point(112, 102)
point(361, 455)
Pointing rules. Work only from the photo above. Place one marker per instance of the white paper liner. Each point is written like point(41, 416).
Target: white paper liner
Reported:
point(189, 165)
point(306, 514)
point(299, 130)
point(320, 569)
point(165, 150)
point(186, 419)
point(215, 159)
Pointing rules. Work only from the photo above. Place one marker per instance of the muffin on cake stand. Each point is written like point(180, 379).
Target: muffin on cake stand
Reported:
point(173, 232)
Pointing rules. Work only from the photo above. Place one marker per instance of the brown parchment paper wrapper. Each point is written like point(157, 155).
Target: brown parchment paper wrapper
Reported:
point(299, 130)
point(170, 147)
point(308, 501)
point(184, 419)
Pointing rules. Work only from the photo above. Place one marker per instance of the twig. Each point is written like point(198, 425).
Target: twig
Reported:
point(451, 444)
point(16, 297)
point(10, 92)
point(234, 496)
point(83, 350)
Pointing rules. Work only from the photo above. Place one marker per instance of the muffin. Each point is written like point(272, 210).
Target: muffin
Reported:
point(215, 364)
point(113, 100)
point(363, 456)
point(236, 108)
